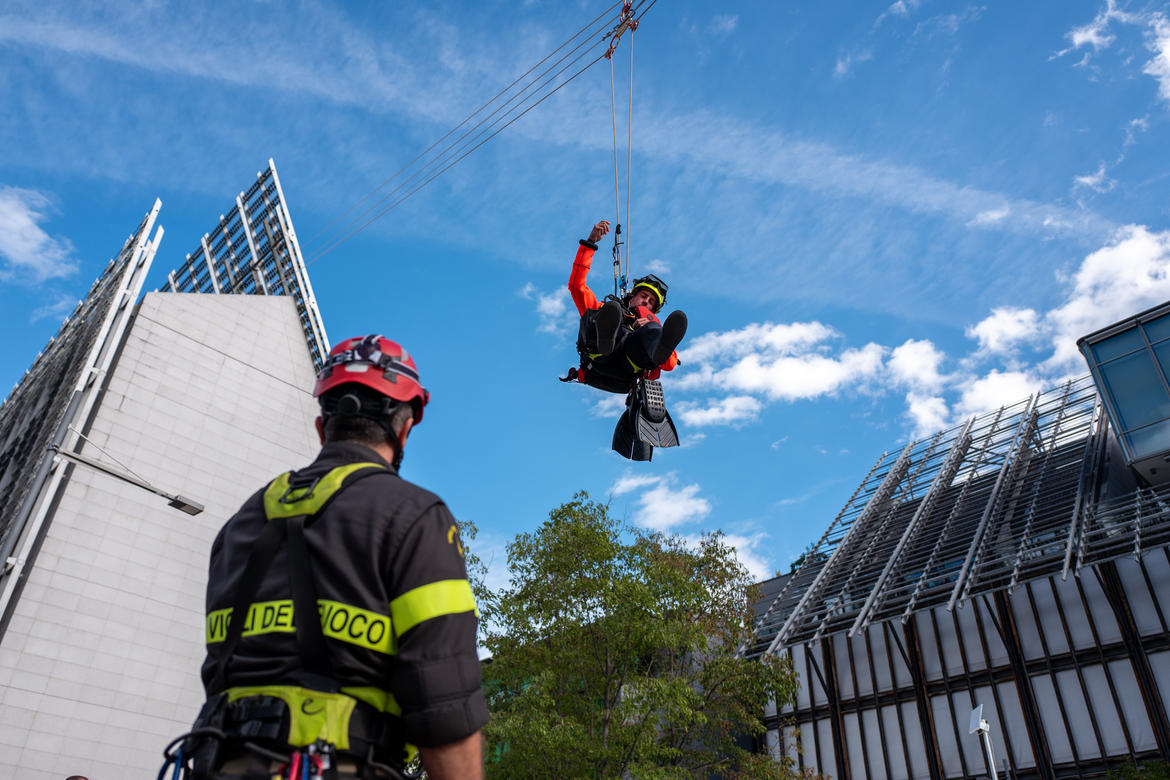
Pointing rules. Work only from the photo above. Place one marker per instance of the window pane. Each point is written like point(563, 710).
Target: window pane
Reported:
point(1158, 329)
point(1137, 391)
point(1162, 351)
point(1126, 341)
point(1150, 440)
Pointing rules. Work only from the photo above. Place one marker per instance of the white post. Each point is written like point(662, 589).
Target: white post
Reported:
point(980, 726)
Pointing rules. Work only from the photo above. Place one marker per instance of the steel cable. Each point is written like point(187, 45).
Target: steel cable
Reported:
point(458, 150)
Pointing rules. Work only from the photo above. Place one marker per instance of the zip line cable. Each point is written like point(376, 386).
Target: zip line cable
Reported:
point(461, 124)
point(458, 150)
point(620, 276)
point(629, 150)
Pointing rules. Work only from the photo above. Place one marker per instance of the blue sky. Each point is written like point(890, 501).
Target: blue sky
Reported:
point(880, 218)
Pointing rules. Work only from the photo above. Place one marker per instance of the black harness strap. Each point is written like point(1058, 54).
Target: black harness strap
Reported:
point(310, 639)
point(263, 551)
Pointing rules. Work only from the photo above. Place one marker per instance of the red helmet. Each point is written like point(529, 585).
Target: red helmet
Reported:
point(378, 363)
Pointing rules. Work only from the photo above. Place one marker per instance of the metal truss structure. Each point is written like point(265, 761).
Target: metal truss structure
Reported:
point(53, 400)
point(254, 251)
point(945, 582)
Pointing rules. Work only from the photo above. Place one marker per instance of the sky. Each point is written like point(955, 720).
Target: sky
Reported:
point(880, 218)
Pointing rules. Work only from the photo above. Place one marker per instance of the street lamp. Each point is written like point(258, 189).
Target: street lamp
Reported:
point(178, 502)
point(978, 724)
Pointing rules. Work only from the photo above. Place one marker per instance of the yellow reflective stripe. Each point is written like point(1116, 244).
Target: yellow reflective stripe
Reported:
point(445, 597)
point(343, 622)
point(382, 701)
point(264, 617)
point(312, 715)
point(632, 363)
point(356, 625)
point(301, 501)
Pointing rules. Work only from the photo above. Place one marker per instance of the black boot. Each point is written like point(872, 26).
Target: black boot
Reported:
point(609, 319)
point(673, 331)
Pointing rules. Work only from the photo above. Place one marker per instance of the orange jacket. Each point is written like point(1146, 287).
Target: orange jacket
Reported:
point(586, 300)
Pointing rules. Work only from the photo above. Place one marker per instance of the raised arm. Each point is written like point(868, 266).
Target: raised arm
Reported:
point(583, 297)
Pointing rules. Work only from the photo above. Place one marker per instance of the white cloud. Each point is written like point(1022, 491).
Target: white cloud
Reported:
point(657, 266)
point(1005, 328)
point(1097, 35)
point(1097, 180)
point(995, 389)
point(801, 377)
point(723, 24)
point(846, 62)
point(902, 8)
point(609, 406)
point(1128, 275)
point(779, 339)
point(29, 254)
point(749, 551)
point(928, 413)
point(1159, 66)
point(915, 364)
point(727, 411)
point(990, 217)
point(663, 506)
point(551, 308)
point(58, 308)
point(628, 481)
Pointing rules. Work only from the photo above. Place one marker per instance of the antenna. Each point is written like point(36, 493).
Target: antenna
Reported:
point(980, 726)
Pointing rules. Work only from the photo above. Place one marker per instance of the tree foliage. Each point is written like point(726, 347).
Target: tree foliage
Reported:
point(1147, 770)
point(614, 655)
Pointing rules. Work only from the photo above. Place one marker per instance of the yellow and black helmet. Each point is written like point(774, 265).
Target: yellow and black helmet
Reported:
point(656, 286)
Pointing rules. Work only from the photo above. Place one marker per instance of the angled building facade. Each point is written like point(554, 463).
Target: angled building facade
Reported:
point(181, 406)
point(1015, 563)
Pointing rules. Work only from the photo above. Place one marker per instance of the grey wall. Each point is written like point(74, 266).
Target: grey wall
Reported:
point(99, 664)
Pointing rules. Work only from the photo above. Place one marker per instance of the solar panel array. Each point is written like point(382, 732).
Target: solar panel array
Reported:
point(254, 251)
point(47, 400)
point(1007, 497)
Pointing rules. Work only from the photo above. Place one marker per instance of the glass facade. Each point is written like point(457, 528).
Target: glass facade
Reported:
point(1131, 362)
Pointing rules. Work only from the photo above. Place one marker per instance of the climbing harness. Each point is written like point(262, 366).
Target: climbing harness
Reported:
point(317, 718)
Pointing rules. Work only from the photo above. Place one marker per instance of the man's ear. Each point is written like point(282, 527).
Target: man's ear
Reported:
point(321, 429)
point(404, 431)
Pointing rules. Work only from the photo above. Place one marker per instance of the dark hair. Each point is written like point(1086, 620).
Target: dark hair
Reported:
point(361, 428)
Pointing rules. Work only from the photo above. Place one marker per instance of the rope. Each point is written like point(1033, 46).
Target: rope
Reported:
point(483, 131)
point(617, 246)
point(438, 173)
point(466, 119)
point(629, 151)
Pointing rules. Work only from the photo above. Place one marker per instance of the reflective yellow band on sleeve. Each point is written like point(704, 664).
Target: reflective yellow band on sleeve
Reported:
point(343, 622)
point(445, 597)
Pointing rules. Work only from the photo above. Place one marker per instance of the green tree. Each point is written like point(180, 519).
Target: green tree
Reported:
point(614, 655)
point(1147, 770)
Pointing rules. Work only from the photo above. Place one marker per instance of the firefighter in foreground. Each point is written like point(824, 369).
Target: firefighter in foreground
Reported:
point(623, 339)
point(358, 636)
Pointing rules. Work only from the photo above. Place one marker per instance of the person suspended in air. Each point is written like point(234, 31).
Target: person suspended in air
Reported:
point(621, 339)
